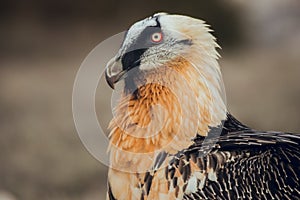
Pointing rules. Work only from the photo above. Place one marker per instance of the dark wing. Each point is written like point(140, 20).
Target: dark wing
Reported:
point(241, 163)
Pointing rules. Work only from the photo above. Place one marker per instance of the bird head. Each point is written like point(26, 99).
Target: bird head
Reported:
point(169, 60)
point(157, 40)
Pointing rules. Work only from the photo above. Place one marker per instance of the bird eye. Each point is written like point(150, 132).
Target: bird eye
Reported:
point(156, 37)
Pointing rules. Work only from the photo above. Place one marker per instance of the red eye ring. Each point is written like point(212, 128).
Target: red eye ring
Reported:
point(157, 37)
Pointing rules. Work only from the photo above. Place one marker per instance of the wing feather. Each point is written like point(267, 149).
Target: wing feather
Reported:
point(243, 164)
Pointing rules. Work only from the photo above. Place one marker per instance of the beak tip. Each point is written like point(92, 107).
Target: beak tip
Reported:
point(110, 81)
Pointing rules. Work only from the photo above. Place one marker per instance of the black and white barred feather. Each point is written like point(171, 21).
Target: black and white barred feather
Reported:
point(242, 164)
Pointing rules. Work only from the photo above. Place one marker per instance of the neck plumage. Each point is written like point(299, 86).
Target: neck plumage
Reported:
point(174, 104)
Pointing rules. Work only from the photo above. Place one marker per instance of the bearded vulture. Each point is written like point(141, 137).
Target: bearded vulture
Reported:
point(171, 136)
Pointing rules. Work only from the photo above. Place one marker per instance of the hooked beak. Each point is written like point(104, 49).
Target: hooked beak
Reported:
point(114, 72)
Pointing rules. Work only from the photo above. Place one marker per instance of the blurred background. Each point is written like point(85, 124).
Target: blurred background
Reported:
point(42, 44)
